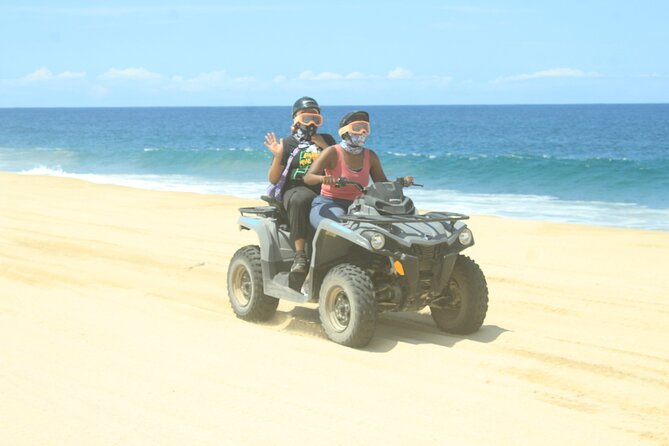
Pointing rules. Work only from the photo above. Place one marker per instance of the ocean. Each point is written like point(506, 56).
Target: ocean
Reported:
point(604, 165)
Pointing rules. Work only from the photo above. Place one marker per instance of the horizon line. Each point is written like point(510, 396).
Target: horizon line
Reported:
point(333, 105)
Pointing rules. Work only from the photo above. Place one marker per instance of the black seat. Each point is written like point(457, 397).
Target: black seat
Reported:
point(283, 215)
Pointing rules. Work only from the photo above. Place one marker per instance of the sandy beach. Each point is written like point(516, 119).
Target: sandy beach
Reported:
point(115, 329)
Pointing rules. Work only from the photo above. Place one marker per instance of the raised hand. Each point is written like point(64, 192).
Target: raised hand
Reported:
point(271, 143)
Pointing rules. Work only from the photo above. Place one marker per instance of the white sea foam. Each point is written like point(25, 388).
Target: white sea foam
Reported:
point(535, 207)
point(539, 207)
point(171, 183)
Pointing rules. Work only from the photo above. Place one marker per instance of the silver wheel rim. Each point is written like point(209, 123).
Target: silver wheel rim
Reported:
point(242, 286)
point(338, 308)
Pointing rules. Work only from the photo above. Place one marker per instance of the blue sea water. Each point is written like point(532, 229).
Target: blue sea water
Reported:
point(595, 164)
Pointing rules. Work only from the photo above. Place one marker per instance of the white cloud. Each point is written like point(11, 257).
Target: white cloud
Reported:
point(130, 74)
point(356, 75)
point(397, 73)
point(201, 82)
point(553, 72)
point(400, 73)
point(211, 77)
point(140, 79)
point(327, 76)
point(309, 75)
point(209, 81)
point(44, 74)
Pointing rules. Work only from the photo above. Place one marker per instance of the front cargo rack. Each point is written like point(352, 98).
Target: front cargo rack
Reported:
point(418, 218)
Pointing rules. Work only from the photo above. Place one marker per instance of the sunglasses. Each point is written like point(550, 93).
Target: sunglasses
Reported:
point(356, 128)
point(309, 119)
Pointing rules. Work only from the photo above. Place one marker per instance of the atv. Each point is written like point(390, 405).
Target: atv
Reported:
point(381, 256)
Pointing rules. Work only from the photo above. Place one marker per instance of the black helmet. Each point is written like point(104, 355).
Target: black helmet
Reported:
point(305, 102)
point(353, 116)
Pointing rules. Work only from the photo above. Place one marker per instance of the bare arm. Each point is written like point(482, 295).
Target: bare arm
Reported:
point(314, 175)
point(375, 169)
point(276, 148)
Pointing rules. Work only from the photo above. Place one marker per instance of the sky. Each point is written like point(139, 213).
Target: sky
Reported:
point(231, 53)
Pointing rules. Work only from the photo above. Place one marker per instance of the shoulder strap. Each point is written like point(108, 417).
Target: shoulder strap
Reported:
point(284, 174)
point(276, 190)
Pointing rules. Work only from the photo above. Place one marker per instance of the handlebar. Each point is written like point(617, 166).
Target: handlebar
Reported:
point(343, 181)
point(403, 183)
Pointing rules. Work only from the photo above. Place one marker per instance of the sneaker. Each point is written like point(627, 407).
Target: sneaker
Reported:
point(300, 263)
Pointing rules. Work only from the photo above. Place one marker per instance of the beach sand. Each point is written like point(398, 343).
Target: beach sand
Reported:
point(115, 328)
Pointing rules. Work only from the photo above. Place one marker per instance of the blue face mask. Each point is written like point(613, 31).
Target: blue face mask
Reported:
point(358, 140)
point(353, 143)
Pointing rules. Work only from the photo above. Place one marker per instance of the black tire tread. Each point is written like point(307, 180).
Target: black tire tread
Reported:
point(477, 288)
point(261, 307)
point(361, 329)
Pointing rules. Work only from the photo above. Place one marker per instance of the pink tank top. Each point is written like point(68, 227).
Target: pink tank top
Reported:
point(348, 192)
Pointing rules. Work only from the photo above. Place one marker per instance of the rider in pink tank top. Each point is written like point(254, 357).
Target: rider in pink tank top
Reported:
point(348, 192)
point(333, 202)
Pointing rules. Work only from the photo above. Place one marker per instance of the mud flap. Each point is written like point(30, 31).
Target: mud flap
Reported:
point(411, 273)
point(441, 272)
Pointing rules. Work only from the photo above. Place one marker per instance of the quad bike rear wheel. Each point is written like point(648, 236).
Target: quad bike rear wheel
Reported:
point(245, 289)
point(347, 306)
point(466, 302)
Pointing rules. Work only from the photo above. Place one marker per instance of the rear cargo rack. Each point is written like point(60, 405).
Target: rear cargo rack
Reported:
point(390, 219)
point(265, 211)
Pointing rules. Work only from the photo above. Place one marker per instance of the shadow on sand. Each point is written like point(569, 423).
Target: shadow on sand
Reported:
point(392, 329)
point(419, 328)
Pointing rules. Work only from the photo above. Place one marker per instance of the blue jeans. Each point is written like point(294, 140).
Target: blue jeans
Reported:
point(327, 207)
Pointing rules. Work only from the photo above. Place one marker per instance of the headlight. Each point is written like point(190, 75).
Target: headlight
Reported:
point(465, 237)
point(377, 240)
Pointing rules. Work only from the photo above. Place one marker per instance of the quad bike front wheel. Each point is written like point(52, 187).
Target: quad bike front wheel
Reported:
point(466, 303)
point(347, 306)
point(245, 289)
